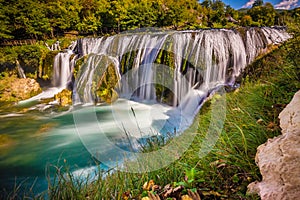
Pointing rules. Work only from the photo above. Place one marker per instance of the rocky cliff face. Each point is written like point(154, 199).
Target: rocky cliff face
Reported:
point(279, 158)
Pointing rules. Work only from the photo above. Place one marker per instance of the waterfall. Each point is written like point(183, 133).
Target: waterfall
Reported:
point(162, 66)
point(20, 70)
point(202, 59)
point(91, 70)
point(63, 67)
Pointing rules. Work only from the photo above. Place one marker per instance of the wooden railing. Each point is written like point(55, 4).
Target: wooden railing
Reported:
point(18, 42)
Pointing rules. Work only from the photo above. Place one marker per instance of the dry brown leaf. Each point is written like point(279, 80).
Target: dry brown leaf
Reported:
point(214, 193)
point(148, 185)
point(153, 196)
point(186, 197)
point(194, 195)
point(126, 195)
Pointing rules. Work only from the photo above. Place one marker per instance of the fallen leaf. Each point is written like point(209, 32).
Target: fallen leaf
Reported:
point(214, 193)
point(260, 121)
point(148, 185)
point(186, 197)
point(126, 195)
point(194, 195)
point(153, 196)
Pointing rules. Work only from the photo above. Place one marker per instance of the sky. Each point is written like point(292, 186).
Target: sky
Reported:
point(279, 4)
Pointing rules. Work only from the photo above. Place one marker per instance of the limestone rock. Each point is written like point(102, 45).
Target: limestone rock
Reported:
point(279, 158)
point(15, 89)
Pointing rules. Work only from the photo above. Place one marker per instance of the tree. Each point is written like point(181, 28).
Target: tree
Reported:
point(140, 14)
point(270, 14)
point(5, 25)
point(218, 14)
point(229, 11)
point(263, 15)
point(63, 15)
point(258, 3)
point(178, 14)
point(114, 15)
point(206, 3)
point(246, 20)
point(28, 19)
point(90, 15)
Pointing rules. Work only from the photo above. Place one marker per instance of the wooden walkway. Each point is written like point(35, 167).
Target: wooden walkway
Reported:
point(18, 42)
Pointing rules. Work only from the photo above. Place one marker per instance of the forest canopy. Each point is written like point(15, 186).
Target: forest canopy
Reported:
point(44, 19)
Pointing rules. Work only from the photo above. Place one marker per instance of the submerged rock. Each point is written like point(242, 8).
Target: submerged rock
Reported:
point(279, 158)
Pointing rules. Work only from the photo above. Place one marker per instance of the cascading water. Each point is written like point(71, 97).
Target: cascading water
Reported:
point(62, 69)
point(195, 64)
point(177, 68)
point(214, 56)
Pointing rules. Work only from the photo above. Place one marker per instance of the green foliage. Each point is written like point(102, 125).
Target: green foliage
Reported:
point(5, 29)
point(30, 57)
point(39, 19)
point(246, 20)
point(29, 18)
point(46, 68)
point(91, 15)
point(294, 29)
point(258, 3)
point(264, 15)
point(229, 11)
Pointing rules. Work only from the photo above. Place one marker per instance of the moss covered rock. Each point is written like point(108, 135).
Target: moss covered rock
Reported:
point(46, 69)
point(64, 98)
point(107, 83)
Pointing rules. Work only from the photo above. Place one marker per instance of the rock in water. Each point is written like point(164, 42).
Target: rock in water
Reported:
point(279, 158)
point(64, 98)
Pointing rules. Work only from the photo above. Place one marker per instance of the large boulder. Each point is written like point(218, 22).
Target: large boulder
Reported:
point(15, 89)
point(279, 158)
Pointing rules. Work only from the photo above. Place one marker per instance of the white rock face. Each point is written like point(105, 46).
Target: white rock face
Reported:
point(279, 158)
